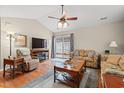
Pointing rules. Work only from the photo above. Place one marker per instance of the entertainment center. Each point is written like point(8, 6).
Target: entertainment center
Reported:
point(36, 51)
point(39, 49)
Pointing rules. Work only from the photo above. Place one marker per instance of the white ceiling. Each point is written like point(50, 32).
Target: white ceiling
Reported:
point(88, 15)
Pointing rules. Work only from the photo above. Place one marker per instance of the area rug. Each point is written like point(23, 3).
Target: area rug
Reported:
point(90, 80)
point(38, 80)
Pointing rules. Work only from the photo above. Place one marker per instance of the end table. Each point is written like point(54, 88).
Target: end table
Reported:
point(13, 63)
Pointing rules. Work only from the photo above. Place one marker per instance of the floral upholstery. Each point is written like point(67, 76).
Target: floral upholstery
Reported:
point(116, 68)
point(90, 56)
point(109, 67)
point(30, 63)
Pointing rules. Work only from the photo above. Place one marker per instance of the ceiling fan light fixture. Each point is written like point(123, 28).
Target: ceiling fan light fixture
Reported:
point(65, 25)
point(63, 20)
point(60, 25)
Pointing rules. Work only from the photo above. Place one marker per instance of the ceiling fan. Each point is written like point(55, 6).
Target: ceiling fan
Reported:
point(62, 23)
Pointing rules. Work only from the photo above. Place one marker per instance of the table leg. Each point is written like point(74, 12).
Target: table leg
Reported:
point(78, 80)
point(4, 70)
point(13, 71)
point(85, 69)
point(23, 67)
point(48, 54)
point(54, 75)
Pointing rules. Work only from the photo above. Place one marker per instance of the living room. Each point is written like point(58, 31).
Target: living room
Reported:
point(100, 32)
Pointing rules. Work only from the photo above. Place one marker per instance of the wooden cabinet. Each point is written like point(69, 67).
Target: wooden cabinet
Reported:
point(111, 81)
point(36, 51)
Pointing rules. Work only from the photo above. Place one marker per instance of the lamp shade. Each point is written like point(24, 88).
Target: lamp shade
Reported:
point(113, 44)
point(62, 24)
point(65, 25)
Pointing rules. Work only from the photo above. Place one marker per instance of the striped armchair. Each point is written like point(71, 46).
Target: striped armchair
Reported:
point(30, 64)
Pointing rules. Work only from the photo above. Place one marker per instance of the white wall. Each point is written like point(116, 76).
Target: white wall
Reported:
point(99, 37)
point(0, 41)
point(28, 27)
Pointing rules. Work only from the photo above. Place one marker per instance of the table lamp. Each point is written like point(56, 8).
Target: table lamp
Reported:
point(113, 44)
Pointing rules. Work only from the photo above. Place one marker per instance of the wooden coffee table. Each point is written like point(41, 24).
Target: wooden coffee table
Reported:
point(70, 74)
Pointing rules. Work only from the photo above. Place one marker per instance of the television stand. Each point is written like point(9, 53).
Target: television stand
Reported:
point(36, 51)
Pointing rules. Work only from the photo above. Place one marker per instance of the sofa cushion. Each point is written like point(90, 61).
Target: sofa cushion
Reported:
point(27, 58)
point(121, 63)
point(114, 71)
point(107, 67)
point(113, 59)
point(88, 59)
point(82, 52)
point(86, 53)
point(76, 53)
point(91, 53)
point(78, 58)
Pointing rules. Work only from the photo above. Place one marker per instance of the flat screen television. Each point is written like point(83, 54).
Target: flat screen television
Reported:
point(39, 43)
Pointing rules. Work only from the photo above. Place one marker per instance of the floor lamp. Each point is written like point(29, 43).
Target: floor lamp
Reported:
point(11, 36)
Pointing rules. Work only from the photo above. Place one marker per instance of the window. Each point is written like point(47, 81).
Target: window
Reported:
point(62, 46)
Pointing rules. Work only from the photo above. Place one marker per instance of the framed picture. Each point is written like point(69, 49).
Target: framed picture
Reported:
point(20, 40)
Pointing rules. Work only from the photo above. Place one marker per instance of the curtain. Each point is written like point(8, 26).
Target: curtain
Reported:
point(52, 54)
point(72, 42)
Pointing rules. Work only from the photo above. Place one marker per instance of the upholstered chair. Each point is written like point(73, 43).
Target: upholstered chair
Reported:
point(30, 64)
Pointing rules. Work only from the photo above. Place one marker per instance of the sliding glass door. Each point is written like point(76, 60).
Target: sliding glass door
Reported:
point(62, 46)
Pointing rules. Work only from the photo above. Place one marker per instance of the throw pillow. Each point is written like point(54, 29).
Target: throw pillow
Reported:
point(113, 59)
point(121, 63)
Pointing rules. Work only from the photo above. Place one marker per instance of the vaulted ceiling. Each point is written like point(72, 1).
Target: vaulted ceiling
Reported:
point(88, 15)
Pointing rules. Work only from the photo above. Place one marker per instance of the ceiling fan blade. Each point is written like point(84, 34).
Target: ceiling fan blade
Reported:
point(72, 18)
point(53, 17)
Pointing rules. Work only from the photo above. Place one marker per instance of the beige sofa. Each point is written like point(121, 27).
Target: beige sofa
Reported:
point(112, 64)
point(91, 57)
point(30, 64)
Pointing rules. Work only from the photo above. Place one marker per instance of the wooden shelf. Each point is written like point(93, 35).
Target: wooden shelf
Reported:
point(36, 51)
point(11, 71)
point(65, 81)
